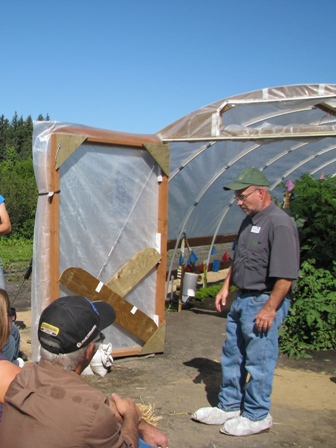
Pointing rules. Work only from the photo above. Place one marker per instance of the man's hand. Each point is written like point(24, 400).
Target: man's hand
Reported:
point(224, 292)
point(125, 407)
point(221, 299)
point(153, 435)
point(264, 319)
point(115, 411)
point(131, 417)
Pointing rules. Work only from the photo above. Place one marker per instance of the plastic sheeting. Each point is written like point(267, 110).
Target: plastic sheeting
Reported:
point(283, 131)
point(108, 211)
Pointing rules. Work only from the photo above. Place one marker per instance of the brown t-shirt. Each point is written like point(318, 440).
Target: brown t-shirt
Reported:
point(46, 406)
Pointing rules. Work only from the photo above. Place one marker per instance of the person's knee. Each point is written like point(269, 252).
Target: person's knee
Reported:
point(8, 349)
point(12, 347)
point(15, 333)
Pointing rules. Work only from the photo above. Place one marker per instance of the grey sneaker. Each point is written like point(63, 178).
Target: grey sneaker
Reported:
point(213, 416)
point(242, 426)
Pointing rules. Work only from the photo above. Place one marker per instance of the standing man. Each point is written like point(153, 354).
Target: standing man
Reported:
point(53, 406)
point(265, 264)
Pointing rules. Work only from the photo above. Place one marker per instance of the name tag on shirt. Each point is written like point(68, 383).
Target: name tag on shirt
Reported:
point(255, 229)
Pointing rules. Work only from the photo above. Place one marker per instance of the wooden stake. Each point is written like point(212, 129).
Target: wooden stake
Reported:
point(205, 277)
point(180, 302)
point(287, 199)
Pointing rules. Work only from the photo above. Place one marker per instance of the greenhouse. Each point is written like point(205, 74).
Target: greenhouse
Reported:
point(284, 131)
point(111, 203)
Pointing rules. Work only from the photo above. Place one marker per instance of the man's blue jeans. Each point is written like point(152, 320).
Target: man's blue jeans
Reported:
point(143, 444)
point(247, 351)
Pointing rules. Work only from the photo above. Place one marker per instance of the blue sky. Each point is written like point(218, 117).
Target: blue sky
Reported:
point(138, 65)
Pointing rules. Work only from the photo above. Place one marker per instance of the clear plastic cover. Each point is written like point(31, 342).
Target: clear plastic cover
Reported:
point(284, 131)
point(108, 211)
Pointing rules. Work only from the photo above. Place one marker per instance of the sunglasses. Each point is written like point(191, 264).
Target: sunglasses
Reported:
point(99, 338)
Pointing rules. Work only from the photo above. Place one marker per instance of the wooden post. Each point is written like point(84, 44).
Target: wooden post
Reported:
point(172, 289)
point(205, 274)
point(163, 231)
point(54, 199)
point(287, 199)
point(180, 301)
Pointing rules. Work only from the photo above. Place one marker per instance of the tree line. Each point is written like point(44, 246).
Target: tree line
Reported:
point(17, 180)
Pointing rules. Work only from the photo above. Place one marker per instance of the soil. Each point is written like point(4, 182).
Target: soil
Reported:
point(187, 376)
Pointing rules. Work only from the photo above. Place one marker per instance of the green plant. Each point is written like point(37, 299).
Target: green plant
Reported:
point(313, 206)
point(17, 180)
point(171, 308)
point(18, 186)
point(311, 321)
point(15, 253)
point(210, 291)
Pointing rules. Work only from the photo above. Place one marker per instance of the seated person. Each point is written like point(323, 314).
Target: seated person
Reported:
point(8, 370)
point(51, 403)
point(11, 349)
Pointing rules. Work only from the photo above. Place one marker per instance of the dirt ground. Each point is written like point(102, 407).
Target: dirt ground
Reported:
point(187, 375)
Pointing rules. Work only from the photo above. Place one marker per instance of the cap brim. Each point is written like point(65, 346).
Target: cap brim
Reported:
point(236, 186)
point(106, 313)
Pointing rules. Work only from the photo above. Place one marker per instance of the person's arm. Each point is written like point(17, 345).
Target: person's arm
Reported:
point(115, 411)
point(266, 315)
point(223, 292)
point(5, 224)
point(149, 433)
point(131, 417)
point(153, 435)
point(8, 372)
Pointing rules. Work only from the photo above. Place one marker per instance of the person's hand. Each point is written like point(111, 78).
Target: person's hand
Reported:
point(131, 417)
point(221, 299)
point(114, 409)
point(126, 406)
point(153, 435)
point(264, 319)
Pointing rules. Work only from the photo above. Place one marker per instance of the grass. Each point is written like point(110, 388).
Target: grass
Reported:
point(15, 254)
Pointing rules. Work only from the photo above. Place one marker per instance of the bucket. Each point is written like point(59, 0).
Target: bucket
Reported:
point(189, 285)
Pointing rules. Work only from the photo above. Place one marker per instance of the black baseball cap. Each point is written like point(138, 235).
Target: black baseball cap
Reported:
point(73, 322)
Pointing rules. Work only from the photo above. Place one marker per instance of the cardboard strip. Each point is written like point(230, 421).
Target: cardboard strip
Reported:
point(161, 154)
point(66, 145)
point(133, 271)
point(83, 283)
point(156, 342)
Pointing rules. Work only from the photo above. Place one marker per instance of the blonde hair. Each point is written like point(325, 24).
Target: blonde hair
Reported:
point(4, 323)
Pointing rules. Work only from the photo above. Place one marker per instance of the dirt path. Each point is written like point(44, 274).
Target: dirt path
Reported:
point(187, 376)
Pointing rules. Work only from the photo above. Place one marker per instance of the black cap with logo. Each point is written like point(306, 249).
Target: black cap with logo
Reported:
point(72, 322)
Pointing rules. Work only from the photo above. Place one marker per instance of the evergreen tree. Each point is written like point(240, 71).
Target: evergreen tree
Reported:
point(17, 180)
point(4, 135)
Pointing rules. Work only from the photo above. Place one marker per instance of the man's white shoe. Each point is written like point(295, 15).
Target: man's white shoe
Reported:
point(242, 426)
point(213, 416)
